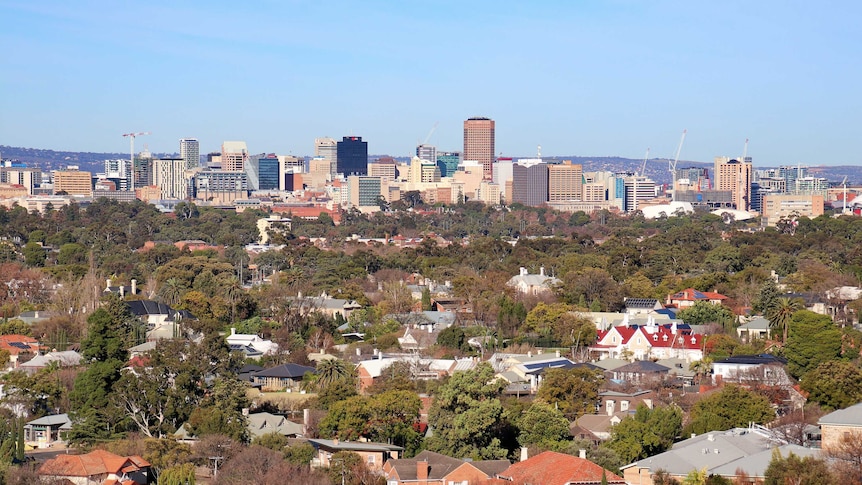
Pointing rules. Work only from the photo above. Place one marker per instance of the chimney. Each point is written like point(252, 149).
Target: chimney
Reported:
point(422, 470)
point(306, 418)
point(134, 287)
point(558, 353)
point(245, 411)
point(525, 453)
point(107, 284)
point(523, 271)
point(233, 330)
point(541, 271)
point(358, 352)
point(582, 454)
point(122, 291)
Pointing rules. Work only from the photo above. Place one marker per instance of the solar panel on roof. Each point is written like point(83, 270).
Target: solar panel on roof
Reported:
point(20, 345)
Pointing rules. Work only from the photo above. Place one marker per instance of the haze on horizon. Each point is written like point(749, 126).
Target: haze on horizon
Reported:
point(591, 78)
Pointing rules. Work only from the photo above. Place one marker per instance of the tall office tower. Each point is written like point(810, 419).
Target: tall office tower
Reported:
point(735, 176)
point(530, 182)
point(479, 143)
point(448, 162)
point(383, 168)
point(363, 190)
point(637, 189)
point(352, 156)
point(327, 148)
point(169, 175)
point(143, 169)
point(422, 171)
point(427, 152)
point(565, 181)
point(73, 182)
point(234, 154)
point(190, 151)
point(262, 171)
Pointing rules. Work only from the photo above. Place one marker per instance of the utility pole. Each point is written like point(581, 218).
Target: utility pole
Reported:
point(132, 156)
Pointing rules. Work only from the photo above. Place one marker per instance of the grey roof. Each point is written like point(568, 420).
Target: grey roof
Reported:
point(611, 364)
point(851, 416)
point(144, 347)
point(260, 424)
point(64, 358)
point(288, 371)
point(758, 323)
point(710, 451)
point(755, 465)
point(52, 420)
point(642, 303)
point(438, 465)
point(642, 366)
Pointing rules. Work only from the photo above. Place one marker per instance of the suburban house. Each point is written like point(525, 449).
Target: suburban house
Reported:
point(285, 377)
point(429, 468)
point(251, 345)
point(97, 467)
point(726, 453)
point(839, 425)
point(529, 370)
point(650, 341)
point(763, 369)
point(121, 290)
point(47, 430)
point(66, 358)
point(326, 305)
point(533, 284)
point(611, 402)
point(755, 329)
point(639, 306)
point(162, 321)
point(689, 296)
point(421, 368)
point(375, 455)
point(20, 348)
point(552, 468)
point(260, 424)
point(639, 372)
point(595, 428)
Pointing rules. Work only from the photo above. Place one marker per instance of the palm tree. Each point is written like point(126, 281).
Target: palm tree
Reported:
point(332, 370)
point(781, 312)
point(701, 368)
point(170, 291)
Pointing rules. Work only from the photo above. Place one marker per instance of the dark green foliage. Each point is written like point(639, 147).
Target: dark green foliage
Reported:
point(647, 433)
point(834, 385)
point(733, 406)
point(573, 391)
point(800, 471)
point(812, 340)
point(704, 312)
point(542, 425)
point(453, 338)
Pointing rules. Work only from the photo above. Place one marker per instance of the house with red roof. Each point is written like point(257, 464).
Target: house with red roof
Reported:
point(97, 467)
point(429, 468)
point(20, 347)
point(552, 468)
point(649, 341)
point(689, 296)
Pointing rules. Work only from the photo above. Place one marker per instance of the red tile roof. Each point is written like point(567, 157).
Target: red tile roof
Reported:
point(16, 344)
point(96, 462)
point(552, 468)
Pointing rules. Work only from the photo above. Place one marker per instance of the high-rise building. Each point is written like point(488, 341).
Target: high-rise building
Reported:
point(565, 181)
point(190, 151)
point(73, 182)
point(262, 171)
point(363, 190)
point(169, 175)
point(327, 148)
point(423, 171)
point(479, 143)
point(735, 176)
point(383, 168)
point(636, 189)
point(691, 178)
point(530, 182)
point(234, 155)
point(448, 162)
point(352, 156)
point(144, 169)
point(28, 177)
point(427, 152)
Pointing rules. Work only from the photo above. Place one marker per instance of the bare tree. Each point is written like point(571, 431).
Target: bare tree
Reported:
point(847, 454)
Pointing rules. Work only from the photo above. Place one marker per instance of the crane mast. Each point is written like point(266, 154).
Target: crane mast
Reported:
point(672, 166)
point(131, 137)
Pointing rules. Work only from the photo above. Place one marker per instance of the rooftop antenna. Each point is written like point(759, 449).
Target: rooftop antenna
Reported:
point(539, 152)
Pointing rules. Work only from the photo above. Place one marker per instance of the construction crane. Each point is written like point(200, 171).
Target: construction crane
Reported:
point(433, 129)
point(844, 184)
point(132, 156)
point(643, 166)
point(672, 166)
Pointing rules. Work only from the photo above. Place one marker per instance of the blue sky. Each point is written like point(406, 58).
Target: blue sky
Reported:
point(590, 78)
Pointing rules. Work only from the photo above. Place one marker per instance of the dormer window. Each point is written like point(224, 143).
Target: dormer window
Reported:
point(655, 337)
point(664, 338)
point(693, 340)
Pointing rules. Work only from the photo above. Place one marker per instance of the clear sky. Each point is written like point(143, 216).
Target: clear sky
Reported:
point(590, 78)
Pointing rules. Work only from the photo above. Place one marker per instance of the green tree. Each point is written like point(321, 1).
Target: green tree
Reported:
point(542, 425)
point(426, 299)
point(14, 327)
point(813, 339)
point(799, 471)
point(769, 293)
point(331, 371)
point(781, 312)
point(178, 475)
point(573, 391)
point(221, 412)
point(833, 385)
point(453, 338)
point(465, 412)
point(704, 312)
point(34, 255)
point(647, 433)
point(733, 406)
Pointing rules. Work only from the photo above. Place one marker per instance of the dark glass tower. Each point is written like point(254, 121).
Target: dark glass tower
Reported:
point(352, 156)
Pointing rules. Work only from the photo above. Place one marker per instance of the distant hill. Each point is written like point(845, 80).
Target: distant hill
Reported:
point(656, 168)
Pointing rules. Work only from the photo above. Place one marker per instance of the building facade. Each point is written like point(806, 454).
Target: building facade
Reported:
point(170, 177)
point(735, 176)
point(352, 156)
point(479, 136)
point(190, 151)
point(530, 182)
point(73, 182)
point(234, 155)
point(565, 181)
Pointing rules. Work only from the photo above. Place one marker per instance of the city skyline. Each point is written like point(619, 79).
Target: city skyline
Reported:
point(586, 78)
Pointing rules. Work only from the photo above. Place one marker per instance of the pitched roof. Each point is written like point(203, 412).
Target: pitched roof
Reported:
point(642, 366)
point(851, 416)
point(260, 424)
point(641, 303)
point(288, 371)
point(690, 294)
point(52, 420)
point(96, 462)
point(552, 468)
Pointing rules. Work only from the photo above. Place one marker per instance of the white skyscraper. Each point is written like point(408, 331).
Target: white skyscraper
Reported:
point(190, 151)
point(327, 148)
